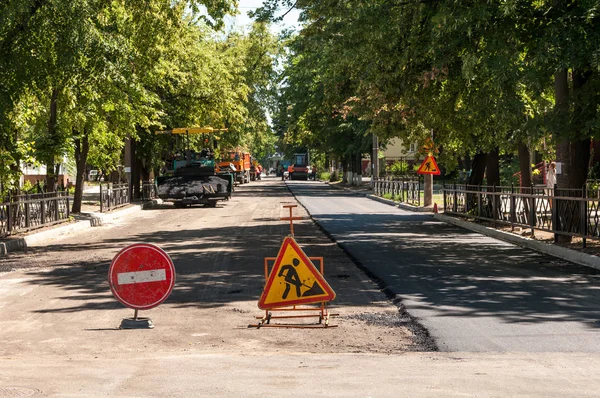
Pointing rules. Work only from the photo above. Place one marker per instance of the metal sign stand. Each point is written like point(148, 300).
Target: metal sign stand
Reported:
point(321, 312)
point(136, 322)
point(129, 274)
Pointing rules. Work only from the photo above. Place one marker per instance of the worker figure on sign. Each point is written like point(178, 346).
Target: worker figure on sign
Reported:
point(428, 166)
point(291, 278)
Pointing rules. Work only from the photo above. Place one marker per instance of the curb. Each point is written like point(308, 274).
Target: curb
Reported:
point(92, 220)
point(546, 248)
point(542, 247)
point(402, 206)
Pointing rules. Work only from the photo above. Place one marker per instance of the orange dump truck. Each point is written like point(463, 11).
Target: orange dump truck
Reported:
point(239, 160)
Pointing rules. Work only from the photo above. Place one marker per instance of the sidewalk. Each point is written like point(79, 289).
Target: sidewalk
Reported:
point(90, 217)
point(589, 258)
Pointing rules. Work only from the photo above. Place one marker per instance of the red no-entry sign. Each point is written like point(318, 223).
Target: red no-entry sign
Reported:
point(141, 276)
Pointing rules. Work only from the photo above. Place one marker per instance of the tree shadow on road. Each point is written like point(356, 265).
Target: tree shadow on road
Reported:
point(454, 271)
point(215, 265)
point(460, 273)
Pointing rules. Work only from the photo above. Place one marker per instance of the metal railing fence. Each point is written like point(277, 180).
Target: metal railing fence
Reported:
point(113, 196)
point(406, 191)
point(20, 195)
point(22, 215)
point(573, 212)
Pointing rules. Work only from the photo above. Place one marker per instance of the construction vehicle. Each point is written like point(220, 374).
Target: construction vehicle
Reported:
point(190, 177)
point(239, 160)
point(282, 166)
point(299, 168)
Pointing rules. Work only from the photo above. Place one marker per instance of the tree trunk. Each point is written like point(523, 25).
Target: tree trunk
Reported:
point(493, 180)
point(493, 167)
point(525, 165)
point(358, 169)
point(335, 173)
point(374, 158)
point(526, 175)
point(561, 99)
point(476, 178)
point(573, 154)
point(145, 174)
point(137, 182)
point(135, 171)
point(145, 171)
point(574, 158)
point(82, 148)
point(478, 169)
point(50, 174)
point(563, 155)
point(580, 160)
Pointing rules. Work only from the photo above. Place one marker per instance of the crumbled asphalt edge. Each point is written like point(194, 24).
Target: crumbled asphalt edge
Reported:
point(390, 320)
point(424, 342)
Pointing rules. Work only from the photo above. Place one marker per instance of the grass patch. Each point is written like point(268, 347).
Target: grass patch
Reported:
point(437, 198)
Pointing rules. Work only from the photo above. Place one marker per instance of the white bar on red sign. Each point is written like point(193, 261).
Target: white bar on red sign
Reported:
point(128, 278)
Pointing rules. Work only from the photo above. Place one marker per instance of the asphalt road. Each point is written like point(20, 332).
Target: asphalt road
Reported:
point(59, 332)
point(473, 293)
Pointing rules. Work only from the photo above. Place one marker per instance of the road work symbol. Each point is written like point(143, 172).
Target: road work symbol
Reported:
point(429, 166)
point(294, 280)
point(141, 276)
point(290, 276)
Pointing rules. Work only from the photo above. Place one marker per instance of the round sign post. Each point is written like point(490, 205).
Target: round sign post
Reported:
point(141, 276)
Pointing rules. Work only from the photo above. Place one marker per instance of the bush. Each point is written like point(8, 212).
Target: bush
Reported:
point(28, 186)
point(397, 168)
point(387, 196)
point(594, 173)
point(324, 176)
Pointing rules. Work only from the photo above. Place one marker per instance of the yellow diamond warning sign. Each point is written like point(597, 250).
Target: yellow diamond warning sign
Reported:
point(294, 280)
point(429, 166)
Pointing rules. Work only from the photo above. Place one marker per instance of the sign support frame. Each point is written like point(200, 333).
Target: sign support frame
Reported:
point(322, 312)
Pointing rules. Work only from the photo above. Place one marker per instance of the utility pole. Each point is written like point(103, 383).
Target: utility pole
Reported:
point(428, 188)
point(128, 163)
point(375, 160)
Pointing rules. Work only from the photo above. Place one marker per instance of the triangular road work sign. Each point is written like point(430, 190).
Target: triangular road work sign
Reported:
point(429, 166)
point(294, 280)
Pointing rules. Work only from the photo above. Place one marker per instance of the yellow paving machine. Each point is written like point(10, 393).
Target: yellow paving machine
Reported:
point(190, 176)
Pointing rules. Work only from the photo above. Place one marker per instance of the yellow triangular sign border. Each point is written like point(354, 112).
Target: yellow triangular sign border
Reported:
point(422, 171)
point(330, 294)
